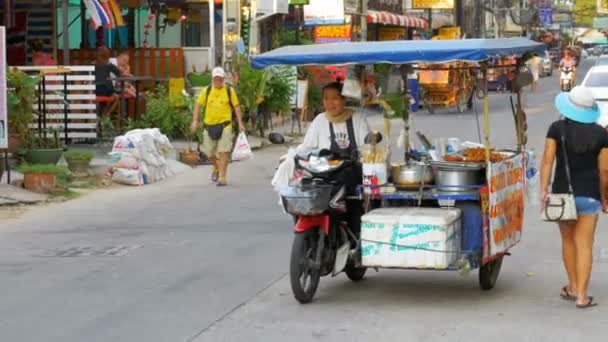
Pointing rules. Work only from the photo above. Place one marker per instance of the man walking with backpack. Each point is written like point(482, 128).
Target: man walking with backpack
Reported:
point(220, 102)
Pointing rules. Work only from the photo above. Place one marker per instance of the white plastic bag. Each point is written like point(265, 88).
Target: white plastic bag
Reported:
point(124, 160)
point(128, 177)
point(242, 150)
point(532, 179)
point(284, 172)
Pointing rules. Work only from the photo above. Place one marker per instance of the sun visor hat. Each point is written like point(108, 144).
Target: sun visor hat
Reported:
point(578, 105)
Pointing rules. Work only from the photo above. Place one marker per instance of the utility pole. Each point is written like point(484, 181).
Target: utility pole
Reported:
point(298, 22)
point(363, 20)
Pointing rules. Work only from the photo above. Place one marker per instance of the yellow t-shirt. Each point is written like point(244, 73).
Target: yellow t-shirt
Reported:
point(218, 107)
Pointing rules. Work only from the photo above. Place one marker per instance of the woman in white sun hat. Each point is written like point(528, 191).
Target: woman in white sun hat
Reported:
point(586, 148)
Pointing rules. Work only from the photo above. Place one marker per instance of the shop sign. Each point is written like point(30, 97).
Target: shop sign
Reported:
point(324, 12)
point(269, 7)
point(433, 4)
point(391, 33)
point(602, 6)
point(394, 6)
point(332, 34)
point(299, 2)
point(506, 203)
point(545, 16)
point(600, 23)
point(561, 18)
point(3, 92)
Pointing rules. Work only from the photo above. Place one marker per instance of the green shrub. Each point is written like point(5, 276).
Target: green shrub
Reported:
point(42, 168)
point(79, 155)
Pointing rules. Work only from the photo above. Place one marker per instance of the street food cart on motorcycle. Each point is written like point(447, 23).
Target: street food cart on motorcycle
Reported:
point(441, 210)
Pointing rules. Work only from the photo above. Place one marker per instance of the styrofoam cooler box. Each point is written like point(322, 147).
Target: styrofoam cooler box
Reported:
point(410, 237)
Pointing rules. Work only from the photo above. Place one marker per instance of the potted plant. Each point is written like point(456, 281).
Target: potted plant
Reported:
point(79, 161)
point(41, 178)
point(43, 149)
point(190, 155)
point(20, 101)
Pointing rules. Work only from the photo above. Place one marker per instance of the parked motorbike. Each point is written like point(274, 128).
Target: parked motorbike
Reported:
point(566, 79)
point(324, 243)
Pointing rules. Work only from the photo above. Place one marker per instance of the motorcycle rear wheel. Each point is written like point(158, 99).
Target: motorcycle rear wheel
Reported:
point(302, 274)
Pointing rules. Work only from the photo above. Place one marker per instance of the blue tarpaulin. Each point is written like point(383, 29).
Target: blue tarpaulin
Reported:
point(397, 52)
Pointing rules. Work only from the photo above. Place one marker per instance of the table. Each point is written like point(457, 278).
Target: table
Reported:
point(137, 80)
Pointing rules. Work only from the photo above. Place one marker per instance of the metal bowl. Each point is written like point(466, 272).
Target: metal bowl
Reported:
point(412, 175)
point(458, 177)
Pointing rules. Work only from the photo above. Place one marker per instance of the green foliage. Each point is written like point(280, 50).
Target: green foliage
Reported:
point(185, 120)
point(42, 168)
point(161, 114)
point(21, 97)
point(288, 37)
point(279, 91)
point(584, 11)
point(49, 138)
point(252, 84)
point(79, 155)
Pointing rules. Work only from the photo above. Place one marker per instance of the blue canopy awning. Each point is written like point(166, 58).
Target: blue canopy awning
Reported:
point(397, 52)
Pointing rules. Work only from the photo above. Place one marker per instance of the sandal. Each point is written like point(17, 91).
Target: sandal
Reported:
point(589, 304)
point(565, 295)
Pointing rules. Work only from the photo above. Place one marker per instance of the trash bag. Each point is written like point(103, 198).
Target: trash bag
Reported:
point(128, 177)
point(242, 150)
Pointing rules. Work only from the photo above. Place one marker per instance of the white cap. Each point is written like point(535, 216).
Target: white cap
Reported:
point(218, 72)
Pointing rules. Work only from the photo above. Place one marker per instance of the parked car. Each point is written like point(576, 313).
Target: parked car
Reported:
point(602, 60)
point(600, 50)
point(597, 80)
point(546, 65)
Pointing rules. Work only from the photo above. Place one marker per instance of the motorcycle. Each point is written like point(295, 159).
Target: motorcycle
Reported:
point(566, 78)
point(324, 243)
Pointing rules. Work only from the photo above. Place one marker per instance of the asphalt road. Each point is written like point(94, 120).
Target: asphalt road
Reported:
point(185, 261)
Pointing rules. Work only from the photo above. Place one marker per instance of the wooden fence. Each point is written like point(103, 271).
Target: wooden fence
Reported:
point(159, 64)
point(81, 118)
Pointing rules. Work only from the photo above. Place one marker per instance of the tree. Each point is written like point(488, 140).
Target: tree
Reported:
point(584, 11)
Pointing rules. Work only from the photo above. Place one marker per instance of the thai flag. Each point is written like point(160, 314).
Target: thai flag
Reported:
point(98, 15)
point(9, 13)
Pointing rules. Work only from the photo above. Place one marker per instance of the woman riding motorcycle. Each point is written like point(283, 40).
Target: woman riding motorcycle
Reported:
point(569, 62)
point(343, 131)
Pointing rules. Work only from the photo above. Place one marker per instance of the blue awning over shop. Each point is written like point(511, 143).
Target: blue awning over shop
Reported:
point(397, 52)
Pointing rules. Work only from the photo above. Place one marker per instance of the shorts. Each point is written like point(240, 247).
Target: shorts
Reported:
point(224, 145)
point(587, 205)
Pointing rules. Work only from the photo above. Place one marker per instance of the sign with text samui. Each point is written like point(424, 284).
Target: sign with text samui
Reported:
point(506, 200)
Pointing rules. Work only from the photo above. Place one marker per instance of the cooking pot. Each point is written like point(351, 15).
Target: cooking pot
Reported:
point(412, 174)
point(458, 177)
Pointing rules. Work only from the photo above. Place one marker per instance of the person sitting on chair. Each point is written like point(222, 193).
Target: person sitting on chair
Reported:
point(104, 86)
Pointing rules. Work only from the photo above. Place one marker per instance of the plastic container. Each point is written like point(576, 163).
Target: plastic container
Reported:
point(424, 238)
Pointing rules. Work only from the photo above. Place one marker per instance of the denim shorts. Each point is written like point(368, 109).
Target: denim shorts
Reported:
point(587, 205)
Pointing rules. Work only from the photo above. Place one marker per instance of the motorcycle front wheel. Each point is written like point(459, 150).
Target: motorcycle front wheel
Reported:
point(302, 273)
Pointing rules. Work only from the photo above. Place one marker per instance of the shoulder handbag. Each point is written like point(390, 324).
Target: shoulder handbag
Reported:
point(562, 207)
point(215, 132)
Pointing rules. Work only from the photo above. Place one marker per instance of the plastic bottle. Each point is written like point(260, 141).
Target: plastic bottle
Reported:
point(532, 178)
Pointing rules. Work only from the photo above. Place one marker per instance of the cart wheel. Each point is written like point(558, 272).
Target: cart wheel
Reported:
point(488, 273)
point(355, 273)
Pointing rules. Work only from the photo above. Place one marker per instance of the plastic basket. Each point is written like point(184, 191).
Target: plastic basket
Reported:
point(306, 200)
